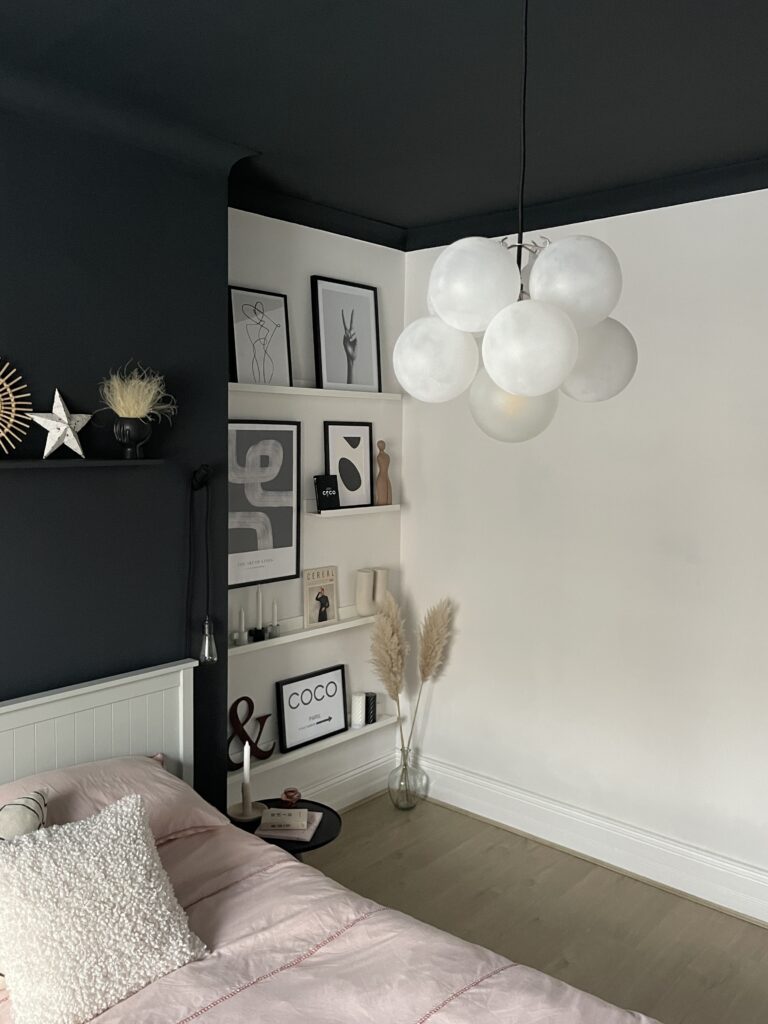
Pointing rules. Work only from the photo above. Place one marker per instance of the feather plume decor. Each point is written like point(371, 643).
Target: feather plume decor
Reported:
point(390, 649)
point(137, 393)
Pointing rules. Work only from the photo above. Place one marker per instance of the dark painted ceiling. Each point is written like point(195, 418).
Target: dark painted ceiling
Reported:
point(397, 120)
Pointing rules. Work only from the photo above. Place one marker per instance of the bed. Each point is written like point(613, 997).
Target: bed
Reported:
point(287, 945)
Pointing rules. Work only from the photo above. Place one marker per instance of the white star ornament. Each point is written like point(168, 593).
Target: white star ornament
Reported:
point(62, 426)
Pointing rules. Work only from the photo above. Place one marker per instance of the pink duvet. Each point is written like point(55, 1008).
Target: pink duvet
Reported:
point(290, 946)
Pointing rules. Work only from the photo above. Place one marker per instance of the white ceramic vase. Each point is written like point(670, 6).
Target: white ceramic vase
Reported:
point(364, 602)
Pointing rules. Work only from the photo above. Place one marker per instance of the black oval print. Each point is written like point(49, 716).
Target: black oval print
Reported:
point(349, 475)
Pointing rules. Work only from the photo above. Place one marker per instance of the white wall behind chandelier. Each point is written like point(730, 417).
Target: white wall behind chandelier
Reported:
point(608, 685)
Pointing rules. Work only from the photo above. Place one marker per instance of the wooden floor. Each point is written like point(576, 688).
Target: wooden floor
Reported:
point(624, 940)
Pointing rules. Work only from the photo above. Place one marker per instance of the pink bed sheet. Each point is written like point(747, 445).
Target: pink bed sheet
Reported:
point(290, 946)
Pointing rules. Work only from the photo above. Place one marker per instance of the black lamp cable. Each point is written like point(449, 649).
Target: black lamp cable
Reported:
point(523, 95)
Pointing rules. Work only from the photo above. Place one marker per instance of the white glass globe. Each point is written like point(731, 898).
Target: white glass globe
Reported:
point(506, 417)
point(581, 275)
point(435, 362)
point(606, 364)
point(530, 348)
point(471, 281)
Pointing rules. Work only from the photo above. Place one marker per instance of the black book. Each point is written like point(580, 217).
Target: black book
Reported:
point(326, 492)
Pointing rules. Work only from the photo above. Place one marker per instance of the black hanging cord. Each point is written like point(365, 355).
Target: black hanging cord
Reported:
point(207, 551)
point(523, 93)
point(190, 572)
point(200, 479)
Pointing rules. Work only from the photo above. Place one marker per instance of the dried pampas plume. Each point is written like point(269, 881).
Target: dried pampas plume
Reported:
point(389, 648)
point(137, 393)
point(434, 637)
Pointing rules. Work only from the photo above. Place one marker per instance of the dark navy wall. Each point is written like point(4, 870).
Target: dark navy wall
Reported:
point(109, 253)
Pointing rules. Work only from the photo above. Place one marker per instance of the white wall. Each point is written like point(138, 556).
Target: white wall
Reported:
point(277, 256)
point(611, 575)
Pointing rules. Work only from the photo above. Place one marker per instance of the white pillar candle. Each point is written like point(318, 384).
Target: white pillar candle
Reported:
point(358, 710)
point(259, 610)
point(380, 584)
point(247, 763)
point(242, 620)
point(274, 613)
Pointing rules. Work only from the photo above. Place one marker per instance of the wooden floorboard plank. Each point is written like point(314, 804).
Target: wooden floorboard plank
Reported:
point(620, 938)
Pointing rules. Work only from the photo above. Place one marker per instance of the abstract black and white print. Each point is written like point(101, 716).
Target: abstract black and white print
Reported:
point(349, 455)
point(263, 501)
point(346, 328)
point(260, 349)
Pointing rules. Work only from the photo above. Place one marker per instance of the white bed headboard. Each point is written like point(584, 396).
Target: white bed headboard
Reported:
point(144, 712)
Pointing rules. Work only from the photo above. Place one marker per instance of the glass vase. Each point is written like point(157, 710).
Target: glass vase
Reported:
point(407, 783)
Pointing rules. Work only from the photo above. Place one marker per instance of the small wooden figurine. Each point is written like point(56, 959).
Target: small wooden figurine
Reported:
point(383, 484)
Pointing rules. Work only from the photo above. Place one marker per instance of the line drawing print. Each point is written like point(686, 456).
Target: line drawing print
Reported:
point(349, 342)
point(260, 329)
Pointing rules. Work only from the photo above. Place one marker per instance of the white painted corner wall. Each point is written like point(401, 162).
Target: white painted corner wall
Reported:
point(608, 688)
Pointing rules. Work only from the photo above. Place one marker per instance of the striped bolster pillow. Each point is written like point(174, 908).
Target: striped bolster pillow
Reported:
point(24, 815)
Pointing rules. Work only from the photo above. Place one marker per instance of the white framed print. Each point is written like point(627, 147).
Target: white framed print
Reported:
point(321, 597)
point(311, 707)
point(349, 457)
point(345, 320)
point(259, 338)
point(264, 474)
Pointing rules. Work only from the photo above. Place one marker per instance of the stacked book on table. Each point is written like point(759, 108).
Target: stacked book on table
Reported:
point(296, 824)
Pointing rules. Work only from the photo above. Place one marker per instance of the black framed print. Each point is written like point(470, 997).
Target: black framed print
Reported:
point(264, 489)
point(345, 319)
point(259, 338)
point(349, 457)
point(311, 707)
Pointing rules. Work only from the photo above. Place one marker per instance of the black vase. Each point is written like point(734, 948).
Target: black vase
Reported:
point(133, 434)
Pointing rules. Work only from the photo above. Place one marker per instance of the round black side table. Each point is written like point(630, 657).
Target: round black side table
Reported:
point(328, 829)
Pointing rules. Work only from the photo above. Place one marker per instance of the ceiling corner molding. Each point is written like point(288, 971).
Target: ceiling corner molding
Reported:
point(713, 183)
point(243, 196)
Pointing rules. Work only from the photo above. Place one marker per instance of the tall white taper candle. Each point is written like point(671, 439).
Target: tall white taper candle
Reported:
point(259, 610)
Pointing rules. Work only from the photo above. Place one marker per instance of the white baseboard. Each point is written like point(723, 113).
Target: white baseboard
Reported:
point(347, 788)
point(708, 876)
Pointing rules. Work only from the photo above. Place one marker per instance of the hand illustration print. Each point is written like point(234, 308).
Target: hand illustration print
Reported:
point(350, 345)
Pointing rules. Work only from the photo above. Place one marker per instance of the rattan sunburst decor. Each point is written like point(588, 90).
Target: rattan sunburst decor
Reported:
point(15, 407)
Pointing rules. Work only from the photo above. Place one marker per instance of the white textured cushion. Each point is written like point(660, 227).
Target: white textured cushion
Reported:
point(87, 916)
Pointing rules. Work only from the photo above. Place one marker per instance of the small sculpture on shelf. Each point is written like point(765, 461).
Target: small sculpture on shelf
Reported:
point(15, 408)
point(62, 426)
point(383, 483)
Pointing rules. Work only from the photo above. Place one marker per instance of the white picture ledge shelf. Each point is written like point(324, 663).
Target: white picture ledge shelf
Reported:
point(310, 509)
point(267, 389)
point(278, 760)
point(292, 635)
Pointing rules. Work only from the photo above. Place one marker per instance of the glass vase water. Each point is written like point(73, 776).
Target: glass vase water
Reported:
point(407, 782)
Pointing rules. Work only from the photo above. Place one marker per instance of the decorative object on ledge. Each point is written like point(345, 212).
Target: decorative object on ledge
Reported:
point(264, 501)
point(358, 710)
point(259, 338)
point(136, 396)
point(321, 597)
point(62, 426)
point(200, 481)
point(364, 602)
point(290, 796)
point(349, 457)
point(546, 328)
point(240, 732)
point(345, 319)
point(15, 408)
point(383, 483)
point(326, 492)
point(311, 707)
point(407, 783)
point(371, 705)
point(380, 587)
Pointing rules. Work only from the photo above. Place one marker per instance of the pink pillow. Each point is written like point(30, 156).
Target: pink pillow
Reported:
point(174, 808)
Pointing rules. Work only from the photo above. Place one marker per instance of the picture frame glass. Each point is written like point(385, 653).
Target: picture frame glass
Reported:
point(346, 326)
point(264, 476)
point(349, 456)
point(312, 707)
point(260, 347)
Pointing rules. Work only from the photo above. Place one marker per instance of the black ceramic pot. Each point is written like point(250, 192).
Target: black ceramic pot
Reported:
point(132, 434)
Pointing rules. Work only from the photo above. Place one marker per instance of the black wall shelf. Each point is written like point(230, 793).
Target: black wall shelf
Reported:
point(75, 463)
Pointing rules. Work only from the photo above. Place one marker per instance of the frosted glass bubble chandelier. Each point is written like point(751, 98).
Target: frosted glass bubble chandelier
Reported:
point(545, 328)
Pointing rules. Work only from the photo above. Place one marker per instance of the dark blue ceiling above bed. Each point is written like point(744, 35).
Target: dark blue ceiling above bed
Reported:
point(397, 120)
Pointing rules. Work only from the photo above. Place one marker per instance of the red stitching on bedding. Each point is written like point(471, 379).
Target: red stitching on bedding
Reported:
point(279, 970)
point(461, 992)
